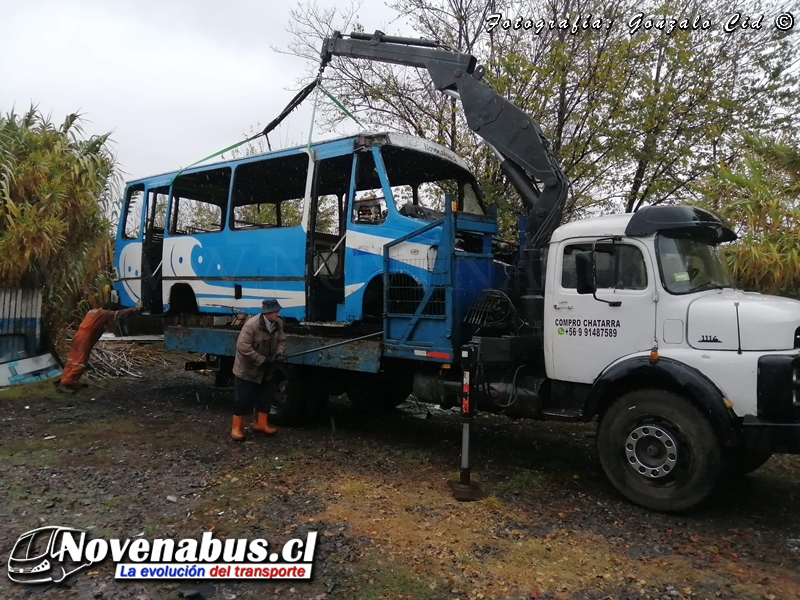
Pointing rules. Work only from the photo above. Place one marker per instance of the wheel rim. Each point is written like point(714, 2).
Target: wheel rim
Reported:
point(652, 451)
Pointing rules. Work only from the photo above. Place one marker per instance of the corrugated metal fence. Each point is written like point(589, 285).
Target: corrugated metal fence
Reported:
point(20, 323)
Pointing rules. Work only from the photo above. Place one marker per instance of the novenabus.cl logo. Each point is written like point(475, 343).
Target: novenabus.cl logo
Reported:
point(39, 556)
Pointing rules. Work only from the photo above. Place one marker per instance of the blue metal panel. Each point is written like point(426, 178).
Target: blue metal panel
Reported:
point(333, 148)
point(221, 342)
point(363, 355)
point(12, 346)
point(467, 222)
point(29, 369)
point(268, 262)
point(472, 275)
point(430, 325)
point(421, 354)
point(329, 148)
point(20, 323)
point(458, 276)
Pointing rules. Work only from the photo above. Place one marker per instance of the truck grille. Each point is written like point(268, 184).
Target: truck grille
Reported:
point(778, 387)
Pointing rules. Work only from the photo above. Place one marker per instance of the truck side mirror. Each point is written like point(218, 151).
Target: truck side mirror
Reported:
point(584, 268)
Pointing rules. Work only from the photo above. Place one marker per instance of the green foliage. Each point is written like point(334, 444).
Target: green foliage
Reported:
point(760, 194)
point(636, 117)
point(57, 202)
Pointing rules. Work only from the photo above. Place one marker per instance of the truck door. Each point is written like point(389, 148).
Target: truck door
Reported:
point(586, 334)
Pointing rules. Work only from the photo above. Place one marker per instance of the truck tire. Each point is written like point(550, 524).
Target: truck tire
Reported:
point(740, 460)
point(659, 450)
point(298, 395)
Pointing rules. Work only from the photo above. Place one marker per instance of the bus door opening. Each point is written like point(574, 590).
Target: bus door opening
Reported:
point(153, 250)
point(326, 238)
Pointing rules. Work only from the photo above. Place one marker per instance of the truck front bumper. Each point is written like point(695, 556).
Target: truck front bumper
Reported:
point(769, 436)
point(777, 426)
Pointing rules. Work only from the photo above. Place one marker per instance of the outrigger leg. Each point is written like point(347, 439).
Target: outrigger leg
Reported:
point(464, 489)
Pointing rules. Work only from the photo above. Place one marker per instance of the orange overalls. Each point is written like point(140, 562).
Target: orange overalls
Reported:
point(89, 331)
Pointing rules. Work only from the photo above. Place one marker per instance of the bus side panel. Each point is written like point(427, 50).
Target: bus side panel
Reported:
point(127, 262)
point(266, 262)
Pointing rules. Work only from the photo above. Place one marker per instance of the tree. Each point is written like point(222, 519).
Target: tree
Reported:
point(760, 194)
point(58, 199)
point(637, 114)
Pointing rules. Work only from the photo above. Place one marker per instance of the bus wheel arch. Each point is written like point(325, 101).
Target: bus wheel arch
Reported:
point(182, 299)
point(372, 300)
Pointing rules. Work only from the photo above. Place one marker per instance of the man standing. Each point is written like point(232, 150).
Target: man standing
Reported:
point(89, 331)
point(260, 342)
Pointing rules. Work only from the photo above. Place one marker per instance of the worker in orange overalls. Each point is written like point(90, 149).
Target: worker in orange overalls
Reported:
point(89, 331)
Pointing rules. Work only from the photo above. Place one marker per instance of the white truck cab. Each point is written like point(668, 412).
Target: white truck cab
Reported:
point(688, 375)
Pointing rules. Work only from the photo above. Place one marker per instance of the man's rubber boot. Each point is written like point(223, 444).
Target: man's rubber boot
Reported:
point(263, 425)
point(237, 434)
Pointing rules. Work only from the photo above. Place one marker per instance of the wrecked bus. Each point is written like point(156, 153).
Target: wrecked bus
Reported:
point(326, 230)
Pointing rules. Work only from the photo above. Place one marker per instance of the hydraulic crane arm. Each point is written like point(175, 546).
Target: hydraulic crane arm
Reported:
point(512, 134)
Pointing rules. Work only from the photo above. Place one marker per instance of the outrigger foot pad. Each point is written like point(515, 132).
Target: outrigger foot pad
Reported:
point(467, 492)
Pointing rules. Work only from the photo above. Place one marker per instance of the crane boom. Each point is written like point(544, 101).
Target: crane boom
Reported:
point(526, 155)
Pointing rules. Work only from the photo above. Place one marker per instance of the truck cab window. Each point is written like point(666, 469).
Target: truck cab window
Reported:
point(617, 266)
point(688, 265)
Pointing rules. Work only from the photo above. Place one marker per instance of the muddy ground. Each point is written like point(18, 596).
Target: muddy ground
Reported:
point(152, 457)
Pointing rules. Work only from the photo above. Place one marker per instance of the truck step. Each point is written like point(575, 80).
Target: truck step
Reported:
point(562, 414)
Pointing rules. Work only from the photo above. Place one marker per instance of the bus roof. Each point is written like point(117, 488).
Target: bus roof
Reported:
point(392, 138)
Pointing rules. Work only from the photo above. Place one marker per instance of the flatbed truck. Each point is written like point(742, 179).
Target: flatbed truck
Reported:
point(628, 320)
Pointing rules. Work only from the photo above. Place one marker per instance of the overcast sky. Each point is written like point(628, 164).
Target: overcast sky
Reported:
point(174, 80)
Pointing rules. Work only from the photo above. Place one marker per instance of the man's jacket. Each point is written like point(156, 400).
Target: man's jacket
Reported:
point(256, 347)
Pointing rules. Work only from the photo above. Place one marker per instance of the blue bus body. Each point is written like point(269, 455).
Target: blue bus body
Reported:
point(339, 235)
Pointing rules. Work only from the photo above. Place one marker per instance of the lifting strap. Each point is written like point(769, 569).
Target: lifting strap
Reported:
point(293, 103)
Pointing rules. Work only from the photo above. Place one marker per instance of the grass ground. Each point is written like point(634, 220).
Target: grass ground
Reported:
point(152, 457)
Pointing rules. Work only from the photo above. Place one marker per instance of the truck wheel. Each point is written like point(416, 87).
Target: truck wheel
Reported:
point(659, 450)
point(740, 460)
point(298, 395)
